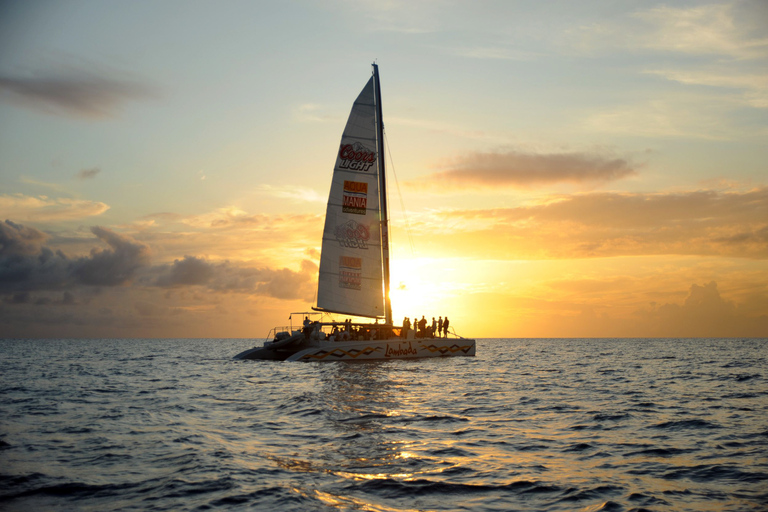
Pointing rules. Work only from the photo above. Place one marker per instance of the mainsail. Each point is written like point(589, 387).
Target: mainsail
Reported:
point(351, 274)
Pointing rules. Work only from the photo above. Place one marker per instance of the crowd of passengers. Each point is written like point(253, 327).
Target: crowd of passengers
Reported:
point(438, 328)
point(345, 331)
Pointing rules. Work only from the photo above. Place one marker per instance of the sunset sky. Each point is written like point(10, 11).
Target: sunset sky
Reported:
point(559, 169)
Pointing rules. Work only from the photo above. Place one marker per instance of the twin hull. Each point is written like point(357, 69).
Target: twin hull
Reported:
point(395, 348)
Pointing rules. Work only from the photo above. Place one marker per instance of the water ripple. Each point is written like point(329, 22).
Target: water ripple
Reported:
point(611, 425)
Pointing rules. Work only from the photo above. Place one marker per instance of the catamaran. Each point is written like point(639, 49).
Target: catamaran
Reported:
point(354, 264)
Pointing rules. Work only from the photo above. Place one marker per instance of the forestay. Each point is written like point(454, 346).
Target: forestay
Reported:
point(351, 276)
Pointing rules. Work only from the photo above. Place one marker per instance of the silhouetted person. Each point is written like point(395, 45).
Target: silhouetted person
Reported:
point(445, 326)
point(423, 327)
point(434, 327)
point(439, 326)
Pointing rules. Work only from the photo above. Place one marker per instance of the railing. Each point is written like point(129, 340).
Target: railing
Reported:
point(273, 332)
point(395, 331)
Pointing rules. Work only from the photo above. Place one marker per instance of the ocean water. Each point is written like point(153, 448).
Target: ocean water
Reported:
point(528, 424)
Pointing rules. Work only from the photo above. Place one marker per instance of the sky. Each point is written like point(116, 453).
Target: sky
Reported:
point(558, 169)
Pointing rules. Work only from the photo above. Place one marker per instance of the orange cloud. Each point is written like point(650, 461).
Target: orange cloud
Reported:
point(517, 169)
point(232, 234)
point(612, 224)
point(619, 307)
point(45, 209)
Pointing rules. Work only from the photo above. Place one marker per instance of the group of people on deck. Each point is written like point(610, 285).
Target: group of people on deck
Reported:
point(439, 328)
point(346, 331)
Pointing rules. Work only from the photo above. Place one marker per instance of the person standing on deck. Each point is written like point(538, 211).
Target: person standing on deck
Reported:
point(439, 326)
point(445, 327)
point(434, 327)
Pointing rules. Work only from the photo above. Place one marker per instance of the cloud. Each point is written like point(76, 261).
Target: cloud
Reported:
point(231, 233)
point(516, 169)
point(753, 85)
point(233, 218)
point(113, 266)
point(18, 240)
point(86, 174)
point(613, 224)
point(704, 313)
point(65, 299)
point(187, 272)
point(115, 291)
point(701, 312)
point(29, 270)
point(299, 194)
point(443, 128)
point(46, 209)
point(495, 53)
point(399, 16)
point(28, 265)
point(311, 112)
point(734, 31)
point(673, 117)
point(706, 29)
point(73, 93)
point(227, 277)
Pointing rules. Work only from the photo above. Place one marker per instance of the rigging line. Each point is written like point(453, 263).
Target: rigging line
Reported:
point(399, 195)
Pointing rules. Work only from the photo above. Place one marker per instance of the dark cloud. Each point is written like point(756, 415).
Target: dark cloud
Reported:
point(113, 266)
point(705, 313)
point(187, 272)
point(27, 265)
point(19, 298)
point(18, 240)
point(227, 277)
point(74, 93)
point(65, 299)
point(757, 236)
point(86, 174)
point(516, 169)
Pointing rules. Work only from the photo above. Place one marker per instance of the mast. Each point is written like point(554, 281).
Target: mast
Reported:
point(382, 195)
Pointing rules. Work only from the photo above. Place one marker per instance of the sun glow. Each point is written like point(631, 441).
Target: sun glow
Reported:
point(415, 291)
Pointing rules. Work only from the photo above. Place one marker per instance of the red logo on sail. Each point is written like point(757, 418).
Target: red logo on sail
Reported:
point(350, 272)
point(355, 197)
point(353, 234)
point(356, 157)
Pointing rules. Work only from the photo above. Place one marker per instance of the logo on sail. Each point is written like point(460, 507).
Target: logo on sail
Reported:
point(350, 272)
point(352, 234)
point(355, 197)
point(356, 157)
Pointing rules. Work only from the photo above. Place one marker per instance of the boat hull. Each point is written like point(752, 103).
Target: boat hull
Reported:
point(275, 350)
point(374, 350)
point(378, 350)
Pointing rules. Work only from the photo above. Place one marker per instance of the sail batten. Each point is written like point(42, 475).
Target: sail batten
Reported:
point(351, 275)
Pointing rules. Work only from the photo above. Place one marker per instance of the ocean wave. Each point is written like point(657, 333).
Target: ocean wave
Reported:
point(150, 425)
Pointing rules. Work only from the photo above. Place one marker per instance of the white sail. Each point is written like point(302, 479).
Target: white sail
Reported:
point(351, 275)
